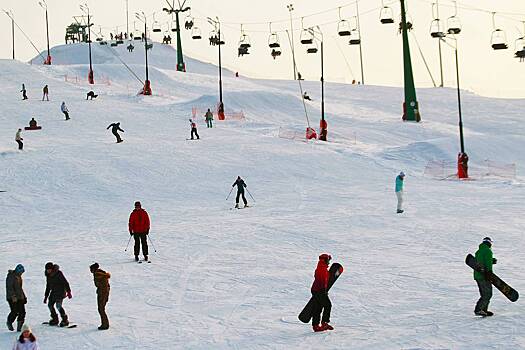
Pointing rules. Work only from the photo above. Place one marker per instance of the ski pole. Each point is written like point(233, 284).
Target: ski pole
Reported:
point(229, 193)
point(250, 194)
point(127, 245)
point(153, 245)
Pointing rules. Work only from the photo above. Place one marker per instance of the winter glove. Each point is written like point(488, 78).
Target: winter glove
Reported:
point(494, 260)
point(45, 300)
point(69, 296)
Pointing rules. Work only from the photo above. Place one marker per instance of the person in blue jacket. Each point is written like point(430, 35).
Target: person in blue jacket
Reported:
point(399, 191)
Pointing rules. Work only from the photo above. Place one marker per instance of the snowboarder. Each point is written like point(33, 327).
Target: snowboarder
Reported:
point(139, 228)
point(19, 139)
point(91, 95)
point(24, 92)
point(209, 118)
point(193, 129)
point(57, 288)
point(399, 191)
point(64, 110)
point(306, 96)
point(485, 258)
point(45, 90)
point(15, 297)
point(27, 340)
point(320, 294)
point(241, 185)
point(115, 128)
point(101, 280)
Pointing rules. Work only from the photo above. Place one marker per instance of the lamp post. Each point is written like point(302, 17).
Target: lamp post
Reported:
point(91, 76)
point(147, 84)
point(360, 43)
point(12, 17)
point(217, 25)
point(290, 9)
point(43, 4)
point(181, 67)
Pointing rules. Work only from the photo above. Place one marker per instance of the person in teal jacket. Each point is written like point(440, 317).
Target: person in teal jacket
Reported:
point(485, 258)
point(399, 191)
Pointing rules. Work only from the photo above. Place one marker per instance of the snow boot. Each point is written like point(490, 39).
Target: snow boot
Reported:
point(481, 313)
point(326, 326)
point(19, 325)
point(237, 206)
point(10, 326)
point(400, 211)
point(145, 258)
point(64, 322)
point(103, 328)
point(317, 328)
point(53, 321)
point(489, 313)
point(246, 205)
point(136, 258)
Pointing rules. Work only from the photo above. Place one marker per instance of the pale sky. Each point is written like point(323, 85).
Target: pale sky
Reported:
point(483, 70)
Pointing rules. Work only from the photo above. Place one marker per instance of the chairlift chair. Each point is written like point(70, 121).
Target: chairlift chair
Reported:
point(312, 48)
point(196, 33)
point(386, 16)
point(435, 29)
point(174, 26)
point(243, 50)
point(499, 40)
point(188, 22)
point(454, 25)
point(307, 38)
point(273, 41)
point(113, 44)
point(244, 41)
point(343, 28)
point(520, 49)
point(156, 27)
point(356, 41)
point(137, 35)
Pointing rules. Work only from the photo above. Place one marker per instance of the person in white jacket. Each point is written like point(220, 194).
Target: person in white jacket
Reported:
point(64, 110)
point(26, 341)
point(18, 139)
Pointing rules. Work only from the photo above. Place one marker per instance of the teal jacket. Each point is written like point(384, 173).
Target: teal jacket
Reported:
point(399, 184)
point(484, 257)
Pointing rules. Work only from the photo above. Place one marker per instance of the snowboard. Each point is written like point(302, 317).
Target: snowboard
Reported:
point(497, 282)
point(70, 326)
point(333, 274)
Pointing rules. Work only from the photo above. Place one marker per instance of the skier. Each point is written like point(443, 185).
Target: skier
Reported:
point(101, 280)
point(320, 294)
point(57, 287)
point(399, 191)
point(209, 118)
point(24, 92)
point(27, 340)
point(139, 228)
point(115, 127)
point(485, 258)
point(45, 90)
point(193, 129)
point(91, 95)
point(241, 185)
point(15, 297)
point(19, 139)
point(306, 97)
point(64, 110)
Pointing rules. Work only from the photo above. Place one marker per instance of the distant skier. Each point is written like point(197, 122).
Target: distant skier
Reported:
point(209, 118)
point(320, 294)
point(27, 340)
point(91, 95)
point(115, 128)
point(485, 258)
point(45, 91)
point(24, 92)
point(15, 297)
point(399, 191)
point(19, 139)
point(57, 288)
point(64, 110)
point(101, 280)
point(193, 129)
point(139, 226)
point(241, 185)
point(306, 96)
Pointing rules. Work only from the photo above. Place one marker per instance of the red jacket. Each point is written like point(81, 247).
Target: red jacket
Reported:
point(139, 221)
point(321, 277)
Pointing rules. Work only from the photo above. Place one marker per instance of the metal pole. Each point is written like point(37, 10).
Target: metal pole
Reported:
point(322, 81)
point(220, 64)
point(459, 104)
point(146, 47)
point(180, 57)
point(127, 17)
point(47, 31)
point(290, 9)
point(90, 77)
point(13, 32)
point(360, 43)
point(439, 46)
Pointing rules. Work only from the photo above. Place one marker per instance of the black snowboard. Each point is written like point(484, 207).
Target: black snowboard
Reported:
point(334, 272)
point(503, 287)
point(70, 326)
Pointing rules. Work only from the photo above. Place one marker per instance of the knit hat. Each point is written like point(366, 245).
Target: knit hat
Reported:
point(137, 204)
point(402, 174)
point(487, 240)
point(49, 266)
point(26, 327)
point(94, 267)
point(19, 269)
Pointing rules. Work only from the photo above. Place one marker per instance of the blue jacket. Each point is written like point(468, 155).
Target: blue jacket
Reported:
point(399, 184)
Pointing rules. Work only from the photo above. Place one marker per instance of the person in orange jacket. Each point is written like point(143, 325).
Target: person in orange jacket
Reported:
point(139, 225)
point(320, 294)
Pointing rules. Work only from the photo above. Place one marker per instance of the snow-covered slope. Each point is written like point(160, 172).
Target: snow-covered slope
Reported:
point(228, 279)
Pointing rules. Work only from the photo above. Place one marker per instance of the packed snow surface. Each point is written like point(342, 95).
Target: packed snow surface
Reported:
point(237, 279)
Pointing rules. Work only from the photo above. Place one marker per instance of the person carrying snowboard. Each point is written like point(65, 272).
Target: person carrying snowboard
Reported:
point(241, 185)
point(193, 129)
point(115, 128)
point(16, 298)
point(101, 280)
point(24, 92)
point(19, 139)
point(139, 225)
point(399, 191)
point(320, 294)
point(57, 288)
point(45, 90)
point(484, 258)
point(209, 118)
point(64, 110)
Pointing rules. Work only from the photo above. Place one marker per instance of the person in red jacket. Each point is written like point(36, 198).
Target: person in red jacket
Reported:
point(139, 229)
point(320, 294)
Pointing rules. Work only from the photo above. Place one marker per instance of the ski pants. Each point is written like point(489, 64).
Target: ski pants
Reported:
point(58, 303)
point(209, 123)
point(194, 132)
point(141, 238)
point(322, 303)
point(20, 144)
point(24, 95)
point(399, 200)
point(239, 194)
point(117, 136)
point(102, 300)
point(66, 114)
point(485, 292)
point(45, 96)
point(18, 311)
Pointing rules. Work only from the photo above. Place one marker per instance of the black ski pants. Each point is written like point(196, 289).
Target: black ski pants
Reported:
point(102, 300)
point(58, 303)
point(239, 194)
point(141, 238)
point(322, 303)
point(20, 144)
point(66, 114)
point(194, 132)
point(18, 311)
point(485, 292)
point(117, 136)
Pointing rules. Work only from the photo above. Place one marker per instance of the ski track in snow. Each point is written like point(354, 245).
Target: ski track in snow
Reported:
point(237, 279)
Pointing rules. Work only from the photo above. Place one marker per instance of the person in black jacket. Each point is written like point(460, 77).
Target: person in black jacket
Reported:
point(241, 185)
point(57, 287)
point(115, 128)
point(15, 297)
